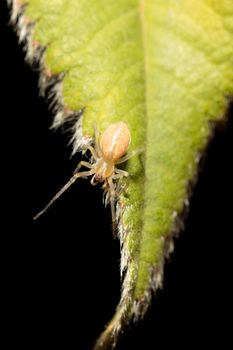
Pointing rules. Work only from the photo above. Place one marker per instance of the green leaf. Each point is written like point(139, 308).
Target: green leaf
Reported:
point(166, 69)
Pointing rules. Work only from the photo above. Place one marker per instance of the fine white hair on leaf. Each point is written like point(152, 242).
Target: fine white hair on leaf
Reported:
point(15, 9)
point(34, 53)
point(78, 140)
point(122, 233)
point(50, 86)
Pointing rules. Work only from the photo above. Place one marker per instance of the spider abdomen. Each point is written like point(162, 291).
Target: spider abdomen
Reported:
point(115, 141)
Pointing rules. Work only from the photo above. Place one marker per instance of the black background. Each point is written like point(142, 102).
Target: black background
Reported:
point(62, 271)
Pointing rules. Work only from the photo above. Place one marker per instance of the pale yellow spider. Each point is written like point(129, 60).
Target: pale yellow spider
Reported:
point(108, 152)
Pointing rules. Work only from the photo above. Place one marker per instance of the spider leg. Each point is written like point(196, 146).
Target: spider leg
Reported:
point(97, 140)
point(93, 152)
point(119, 185)
point(69, 183)
point(83, 163)
point(129, 155)
point(105, 193)
point(93, 182)
point(120, 173)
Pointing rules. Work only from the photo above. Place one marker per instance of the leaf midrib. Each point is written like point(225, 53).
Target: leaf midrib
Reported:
point(142, 12)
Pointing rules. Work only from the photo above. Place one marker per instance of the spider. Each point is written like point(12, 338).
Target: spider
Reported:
point(110, 150)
